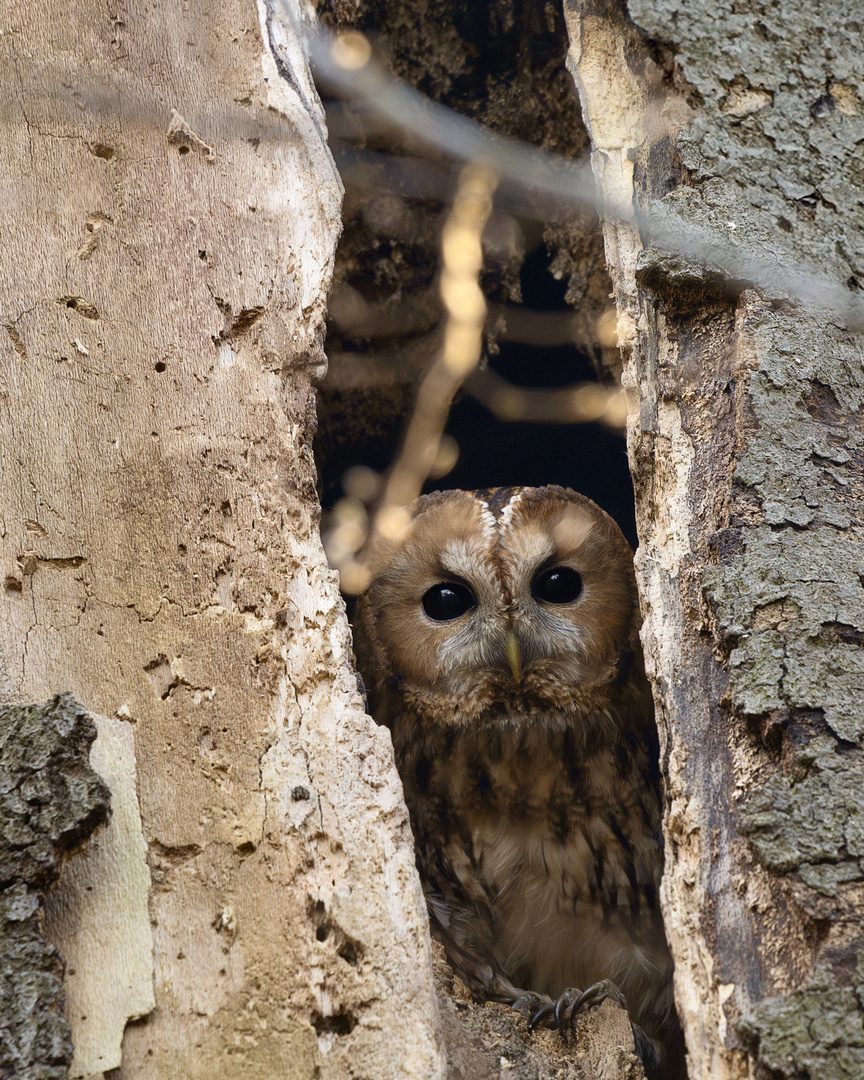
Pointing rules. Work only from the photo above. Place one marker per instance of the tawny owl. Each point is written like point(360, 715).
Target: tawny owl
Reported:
point(499, 642)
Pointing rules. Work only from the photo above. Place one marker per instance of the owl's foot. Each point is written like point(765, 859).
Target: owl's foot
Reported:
point(561, 1014)
point(528, 1003)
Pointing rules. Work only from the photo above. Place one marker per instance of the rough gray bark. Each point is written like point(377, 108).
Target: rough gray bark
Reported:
point(50, 802)
point(746, 455)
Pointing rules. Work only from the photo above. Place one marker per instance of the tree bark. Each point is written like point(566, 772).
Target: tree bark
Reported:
point(169, 217)
point(745, 449)
point(51, 800)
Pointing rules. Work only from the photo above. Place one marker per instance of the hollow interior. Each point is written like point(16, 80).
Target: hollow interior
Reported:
point(544, 278)
point(549, 335)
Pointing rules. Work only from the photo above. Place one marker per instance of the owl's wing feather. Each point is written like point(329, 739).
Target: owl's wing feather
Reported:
point(456, 929)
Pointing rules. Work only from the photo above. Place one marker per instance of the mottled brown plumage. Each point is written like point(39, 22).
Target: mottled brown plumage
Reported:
point(499, 642)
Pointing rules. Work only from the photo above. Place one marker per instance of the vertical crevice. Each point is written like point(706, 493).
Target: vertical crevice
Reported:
point(545, 277)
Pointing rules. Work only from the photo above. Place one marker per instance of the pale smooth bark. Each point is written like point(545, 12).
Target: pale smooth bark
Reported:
point(168, 222)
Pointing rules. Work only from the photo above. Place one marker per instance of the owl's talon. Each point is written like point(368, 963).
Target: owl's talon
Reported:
point(529, 1004)
point(541, 1016)
point(595, 995)
point(528, 1000)
point(647, 1050)
point(561, 1006)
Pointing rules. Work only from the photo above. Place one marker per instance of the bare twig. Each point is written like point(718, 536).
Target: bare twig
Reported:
point(709, 248)
point(462, 259)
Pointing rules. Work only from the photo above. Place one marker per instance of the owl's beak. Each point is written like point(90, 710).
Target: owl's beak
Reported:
point(511, 644)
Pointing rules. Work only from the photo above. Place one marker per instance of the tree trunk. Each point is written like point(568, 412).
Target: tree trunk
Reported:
point(169, 217)
point(745, 447)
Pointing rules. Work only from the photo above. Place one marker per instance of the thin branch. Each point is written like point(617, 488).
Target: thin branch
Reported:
point(462, 258)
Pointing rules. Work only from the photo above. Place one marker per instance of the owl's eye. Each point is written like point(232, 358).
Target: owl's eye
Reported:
point(448, 600)
point(560, 585)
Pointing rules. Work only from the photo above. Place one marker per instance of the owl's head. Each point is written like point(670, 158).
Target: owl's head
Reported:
point(501, 600)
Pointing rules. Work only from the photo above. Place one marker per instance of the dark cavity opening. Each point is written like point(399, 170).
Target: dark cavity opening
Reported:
point(544, 275)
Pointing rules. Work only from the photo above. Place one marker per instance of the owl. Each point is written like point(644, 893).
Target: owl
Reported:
point(499, 643)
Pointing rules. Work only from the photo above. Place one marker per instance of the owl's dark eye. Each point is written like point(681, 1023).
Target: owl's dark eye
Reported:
point(448, 600)
point(560, 585)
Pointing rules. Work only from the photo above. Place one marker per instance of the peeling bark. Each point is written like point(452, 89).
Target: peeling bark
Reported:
point(745, 450)
point(99, 921)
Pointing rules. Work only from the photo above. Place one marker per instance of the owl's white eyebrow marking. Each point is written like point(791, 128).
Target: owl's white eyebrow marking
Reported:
point(528, 546)
point(488, 523)
point(509, 510)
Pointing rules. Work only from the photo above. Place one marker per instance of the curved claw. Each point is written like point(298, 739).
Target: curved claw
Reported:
point(527, 998)
point(554, 1013)
point(647, 1050)
point(541, 1015)
point(596, 995)
point(564, 1011)
point(530, 1004)
point(561, 1006)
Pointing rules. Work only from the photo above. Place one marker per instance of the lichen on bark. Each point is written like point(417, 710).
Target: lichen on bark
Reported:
point(749, 474)
point(817, 1032)
point(813, 822)
point(50, 802)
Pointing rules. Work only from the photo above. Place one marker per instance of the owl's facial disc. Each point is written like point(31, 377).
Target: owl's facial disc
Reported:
point(532, 596)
